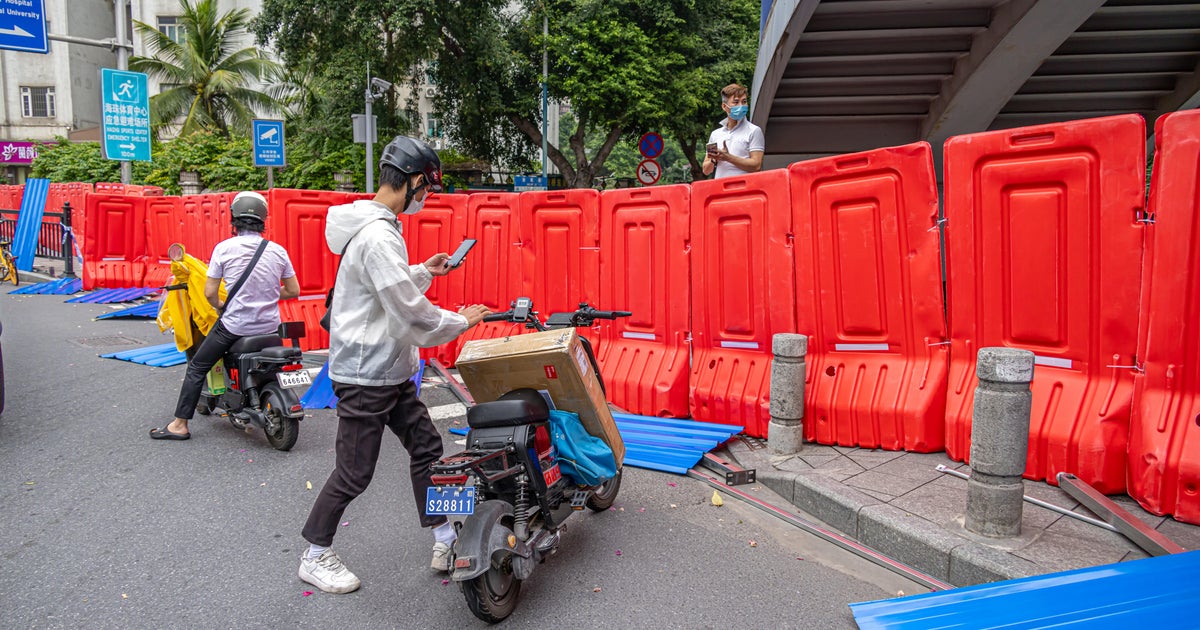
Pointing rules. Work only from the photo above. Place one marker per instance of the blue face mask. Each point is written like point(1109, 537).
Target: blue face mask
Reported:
point(738, 112)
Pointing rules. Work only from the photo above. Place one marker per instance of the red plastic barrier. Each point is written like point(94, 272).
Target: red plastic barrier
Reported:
point(644, 269)
point(560, 249)
point(11, 195)
point(205, 220)
point(1164, 439)
point(163, 227)
point(1044, 253)
point(495, 279)
point(114, 250)
point(742, 294)
point(297, 222)
point(310, 312)
point(440, 227)
point(869, 290)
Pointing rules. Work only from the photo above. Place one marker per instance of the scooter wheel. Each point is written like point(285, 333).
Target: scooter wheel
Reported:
point(602, 498)
point(284, 437)
point(492, 596)
point(206, 404)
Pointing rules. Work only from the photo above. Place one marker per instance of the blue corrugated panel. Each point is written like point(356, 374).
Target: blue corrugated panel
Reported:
point(665, 444)
point(29, 222)
point(149, 309)
point(1160, 592)
point(164, 355)
point(320, 394)
point(64, 286)
point(111, 296)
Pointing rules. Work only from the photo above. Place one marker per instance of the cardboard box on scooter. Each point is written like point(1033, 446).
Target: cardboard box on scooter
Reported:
point(554, 361)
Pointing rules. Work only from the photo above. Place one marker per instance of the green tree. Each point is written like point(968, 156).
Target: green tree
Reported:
point(206, 79)
point(66, 161)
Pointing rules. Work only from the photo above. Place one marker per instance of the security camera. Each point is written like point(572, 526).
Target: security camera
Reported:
point(380, 84)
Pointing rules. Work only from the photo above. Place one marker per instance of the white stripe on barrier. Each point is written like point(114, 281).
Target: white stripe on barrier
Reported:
point(311, 297)
point(113, 258)
point(860, 347)
point(747, 345)
point(638, 335)
point(1052, 362)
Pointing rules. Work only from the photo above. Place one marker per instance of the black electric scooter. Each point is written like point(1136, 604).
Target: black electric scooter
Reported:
point(263, 378)
point(516, 509)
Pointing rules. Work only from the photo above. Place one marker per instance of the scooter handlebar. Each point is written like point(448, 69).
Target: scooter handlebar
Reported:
point(498, 317)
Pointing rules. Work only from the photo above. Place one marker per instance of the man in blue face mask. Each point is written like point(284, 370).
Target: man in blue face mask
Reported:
point(736, 147)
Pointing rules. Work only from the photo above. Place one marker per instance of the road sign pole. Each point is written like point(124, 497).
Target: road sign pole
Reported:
point(270, 177)
point(370, 134)
point(122, 64)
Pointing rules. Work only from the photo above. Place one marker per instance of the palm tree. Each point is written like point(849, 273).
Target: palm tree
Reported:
point(206, 80)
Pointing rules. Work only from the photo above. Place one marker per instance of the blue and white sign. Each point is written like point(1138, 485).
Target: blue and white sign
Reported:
point(522, 183)
point(651, 145)
point(126, 124)
point(268, 143)
point(23, 26)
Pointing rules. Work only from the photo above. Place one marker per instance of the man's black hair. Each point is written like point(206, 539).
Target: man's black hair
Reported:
point(391, 176)
point(244, 223)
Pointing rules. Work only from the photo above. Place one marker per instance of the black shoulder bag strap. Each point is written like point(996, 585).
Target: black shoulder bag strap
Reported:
point(245, 274)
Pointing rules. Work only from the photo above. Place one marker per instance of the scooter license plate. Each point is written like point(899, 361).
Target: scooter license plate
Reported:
point(299, 378)
point(450, 500)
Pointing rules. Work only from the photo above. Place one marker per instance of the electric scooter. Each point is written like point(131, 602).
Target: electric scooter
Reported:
point(264, 379)
point(516, 509)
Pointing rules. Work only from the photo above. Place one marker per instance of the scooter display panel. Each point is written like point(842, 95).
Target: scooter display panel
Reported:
point(450, 500)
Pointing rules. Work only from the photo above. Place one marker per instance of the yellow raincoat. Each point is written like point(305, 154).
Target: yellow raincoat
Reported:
point(180, 307)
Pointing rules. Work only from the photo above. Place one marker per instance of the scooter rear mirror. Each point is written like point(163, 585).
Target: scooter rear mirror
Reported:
point(175, 252)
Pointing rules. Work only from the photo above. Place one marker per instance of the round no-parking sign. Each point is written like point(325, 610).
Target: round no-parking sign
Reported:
point(648, 172)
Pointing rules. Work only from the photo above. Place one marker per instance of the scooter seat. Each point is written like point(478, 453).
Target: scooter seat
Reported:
point(506, 413)
point(254, 343)
point(281, 352)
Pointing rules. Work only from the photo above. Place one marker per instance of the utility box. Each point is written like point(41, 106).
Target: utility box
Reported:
point(553, 362)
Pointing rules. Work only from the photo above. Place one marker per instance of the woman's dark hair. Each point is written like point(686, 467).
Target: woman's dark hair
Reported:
point(244, 223)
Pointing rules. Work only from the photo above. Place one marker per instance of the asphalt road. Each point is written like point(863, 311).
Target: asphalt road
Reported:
point(102, 527)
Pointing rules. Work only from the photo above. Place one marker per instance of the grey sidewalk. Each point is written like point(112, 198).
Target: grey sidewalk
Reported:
point(899, 504)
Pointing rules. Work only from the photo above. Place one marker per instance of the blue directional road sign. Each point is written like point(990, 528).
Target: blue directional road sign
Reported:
point(522, 183)
point(126, 106)
point(23, 26)
point(268, 143)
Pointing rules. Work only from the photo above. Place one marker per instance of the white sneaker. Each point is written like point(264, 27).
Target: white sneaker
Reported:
point(327, 573)
point(441, 557)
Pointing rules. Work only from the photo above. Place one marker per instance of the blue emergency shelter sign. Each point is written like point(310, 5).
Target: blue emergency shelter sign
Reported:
point(126, 124)
point(23, 26)
point(268, 143)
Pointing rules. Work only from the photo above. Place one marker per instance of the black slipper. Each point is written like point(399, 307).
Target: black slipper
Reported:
point(164, 434)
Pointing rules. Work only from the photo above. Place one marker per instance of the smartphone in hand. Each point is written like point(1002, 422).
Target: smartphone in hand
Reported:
point(711, 149)
point(459, 254)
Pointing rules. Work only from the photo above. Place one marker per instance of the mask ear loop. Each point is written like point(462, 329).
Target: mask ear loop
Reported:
point(412, 192)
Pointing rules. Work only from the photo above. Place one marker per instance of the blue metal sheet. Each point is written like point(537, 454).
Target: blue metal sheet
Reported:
point(655, 465)
point(1160, 592)
point(29, 222)
point(163, 355)
point(111, 296)
point(649, 438)
point(677, 422)
point(149, 309)
point(675, 431)
point(64, 286)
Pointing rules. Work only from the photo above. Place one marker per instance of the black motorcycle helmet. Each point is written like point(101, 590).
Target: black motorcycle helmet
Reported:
point(410, 156)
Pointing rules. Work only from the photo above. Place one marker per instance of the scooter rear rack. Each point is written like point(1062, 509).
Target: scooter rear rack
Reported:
point(473, 460)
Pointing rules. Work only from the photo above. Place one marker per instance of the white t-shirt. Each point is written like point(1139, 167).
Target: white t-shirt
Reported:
point(741, 140)
point(255, 308)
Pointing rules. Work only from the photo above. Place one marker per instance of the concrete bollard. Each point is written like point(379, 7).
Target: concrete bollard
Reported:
point(786, 430)
point(999, 441)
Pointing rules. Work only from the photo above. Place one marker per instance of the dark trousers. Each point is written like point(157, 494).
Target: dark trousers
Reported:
point(363, 412)
point(214, 346)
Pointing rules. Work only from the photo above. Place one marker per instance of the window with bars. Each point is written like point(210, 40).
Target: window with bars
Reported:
point(169, 25)
point(37, 102)
point(433, 125)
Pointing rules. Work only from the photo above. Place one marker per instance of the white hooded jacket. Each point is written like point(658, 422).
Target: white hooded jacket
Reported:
point(380, 314)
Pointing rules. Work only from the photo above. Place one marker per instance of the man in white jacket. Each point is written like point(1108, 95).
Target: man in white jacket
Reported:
point(378, 319)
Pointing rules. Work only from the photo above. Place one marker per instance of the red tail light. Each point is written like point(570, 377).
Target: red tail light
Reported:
point(292, 367)
point(296, 407)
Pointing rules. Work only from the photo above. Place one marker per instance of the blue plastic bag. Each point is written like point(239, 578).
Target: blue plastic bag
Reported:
point(583, 458)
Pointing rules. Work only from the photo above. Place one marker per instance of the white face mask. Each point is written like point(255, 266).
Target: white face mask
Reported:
point(414, 206)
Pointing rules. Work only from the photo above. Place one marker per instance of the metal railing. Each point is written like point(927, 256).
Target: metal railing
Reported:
point(55, 238)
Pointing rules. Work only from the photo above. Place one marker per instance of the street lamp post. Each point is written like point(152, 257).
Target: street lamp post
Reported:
point(376, 88)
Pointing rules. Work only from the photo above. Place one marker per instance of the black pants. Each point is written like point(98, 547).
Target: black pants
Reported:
point(363, 412)
point(214, 346)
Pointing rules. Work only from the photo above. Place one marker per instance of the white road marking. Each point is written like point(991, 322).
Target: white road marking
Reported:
point(453, 410)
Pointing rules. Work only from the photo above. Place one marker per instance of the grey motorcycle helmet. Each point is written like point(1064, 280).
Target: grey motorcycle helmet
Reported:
point(249, 205)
